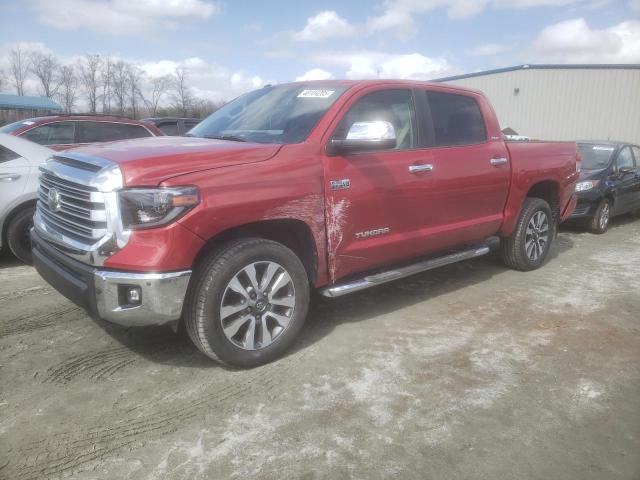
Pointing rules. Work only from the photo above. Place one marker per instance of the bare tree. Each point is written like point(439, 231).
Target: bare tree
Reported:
point(159, 87)
point(45, 67)
point(134, 76)
point(106, 80)
point(89, 69)
point(120, 84)
point(3, 80)
point(68, 87)
point(19, 66)
point(182, 96)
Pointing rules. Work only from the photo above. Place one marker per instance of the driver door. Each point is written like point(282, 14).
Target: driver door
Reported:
point(371, 196)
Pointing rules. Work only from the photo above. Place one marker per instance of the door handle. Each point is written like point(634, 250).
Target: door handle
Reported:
point(498, 161)
point(9, 177)
point(420, 168)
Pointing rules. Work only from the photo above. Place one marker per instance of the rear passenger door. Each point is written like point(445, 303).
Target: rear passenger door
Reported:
point(471, 172)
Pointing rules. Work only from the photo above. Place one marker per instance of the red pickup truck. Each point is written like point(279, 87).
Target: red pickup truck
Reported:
point(333, 185)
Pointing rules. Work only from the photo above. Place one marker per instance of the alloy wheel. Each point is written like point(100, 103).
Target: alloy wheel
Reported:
point(257, 305)
point(537, 235)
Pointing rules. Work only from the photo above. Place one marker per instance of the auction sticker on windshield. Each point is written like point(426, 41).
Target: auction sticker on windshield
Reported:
point(315, 93)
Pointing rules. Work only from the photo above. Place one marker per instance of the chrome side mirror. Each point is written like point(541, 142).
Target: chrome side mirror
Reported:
point(366, 136)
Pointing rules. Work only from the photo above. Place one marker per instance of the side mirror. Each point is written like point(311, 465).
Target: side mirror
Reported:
point(365, 136)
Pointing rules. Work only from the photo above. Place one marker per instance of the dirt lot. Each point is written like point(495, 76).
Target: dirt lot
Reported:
point(471, 371)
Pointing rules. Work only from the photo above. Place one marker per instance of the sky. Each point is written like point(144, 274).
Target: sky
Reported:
point(229, 47)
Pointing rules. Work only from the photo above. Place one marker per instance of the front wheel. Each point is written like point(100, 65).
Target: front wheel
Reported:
point(18, 235)
point(528, 246)
point(248, 304)
point(600, 221)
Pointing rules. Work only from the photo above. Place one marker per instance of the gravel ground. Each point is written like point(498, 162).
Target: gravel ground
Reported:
point(470, 371)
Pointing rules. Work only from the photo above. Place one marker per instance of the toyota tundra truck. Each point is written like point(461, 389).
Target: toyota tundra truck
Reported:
point(336, 186)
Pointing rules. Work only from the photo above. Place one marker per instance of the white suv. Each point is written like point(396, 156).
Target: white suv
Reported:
point(19, 162)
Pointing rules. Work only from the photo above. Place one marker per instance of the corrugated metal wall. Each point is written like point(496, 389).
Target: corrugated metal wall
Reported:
point(565, 104)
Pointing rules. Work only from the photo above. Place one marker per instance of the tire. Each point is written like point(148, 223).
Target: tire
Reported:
point(600, 221)
point(18, 236)
point(527, 248)
point(221, 312)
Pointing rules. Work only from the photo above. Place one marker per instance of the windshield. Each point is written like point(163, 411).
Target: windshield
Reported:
point(280, 114)
point(12, 127)
point(595, 157)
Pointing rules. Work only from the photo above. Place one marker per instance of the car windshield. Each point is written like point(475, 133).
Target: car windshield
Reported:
point(12, 127)
point(279, 114)
point(594, 156)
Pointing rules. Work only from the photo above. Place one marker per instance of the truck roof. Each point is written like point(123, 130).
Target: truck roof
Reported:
point(383, 81)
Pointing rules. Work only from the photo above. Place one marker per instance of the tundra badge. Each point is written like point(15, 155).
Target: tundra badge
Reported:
point(340, 184)
point(372, 233)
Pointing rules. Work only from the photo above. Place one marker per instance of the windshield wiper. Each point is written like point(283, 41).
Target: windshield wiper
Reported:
point(231, 138)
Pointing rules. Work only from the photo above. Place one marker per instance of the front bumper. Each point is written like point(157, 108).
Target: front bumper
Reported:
point(586, 207)
point(99, 291)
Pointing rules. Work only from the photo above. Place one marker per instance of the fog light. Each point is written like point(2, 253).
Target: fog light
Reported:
point(134, 295)
point(129, 296)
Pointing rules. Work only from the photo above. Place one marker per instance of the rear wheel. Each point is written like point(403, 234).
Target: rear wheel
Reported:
point(249, 302)
point(19, 234)
point(600, 221)
point(528, 246)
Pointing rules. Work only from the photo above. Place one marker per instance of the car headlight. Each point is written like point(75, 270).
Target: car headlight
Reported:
point(586, 185)
point(154, 207)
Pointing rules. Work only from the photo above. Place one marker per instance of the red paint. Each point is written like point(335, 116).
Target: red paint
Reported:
point(464, 199)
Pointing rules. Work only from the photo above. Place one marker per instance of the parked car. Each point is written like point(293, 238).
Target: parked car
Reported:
point(60, 132)
point(19, 161)
point(334, 185)
point(609, 184)
point(175, 127)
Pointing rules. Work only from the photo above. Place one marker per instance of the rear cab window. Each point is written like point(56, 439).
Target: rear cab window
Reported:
point(169, 128)
point(456, 119)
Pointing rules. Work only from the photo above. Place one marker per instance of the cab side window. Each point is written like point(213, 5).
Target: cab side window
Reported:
point(57, 133)
point(636, 154)
point(394, 106)
point(457, 119)
point(169, 128)
point(90, 132)
point(624, 159)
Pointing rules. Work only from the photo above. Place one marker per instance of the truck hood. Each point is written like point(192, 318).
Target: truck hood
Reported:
point(149, 161)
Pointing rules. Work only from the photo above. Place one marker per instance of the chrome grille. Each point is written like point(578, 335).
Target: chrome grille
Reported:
point(81, 214)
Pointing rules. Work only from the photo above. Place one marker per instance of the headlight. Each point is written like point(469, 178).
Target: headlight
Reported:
point(587, 185)
point(154, 207)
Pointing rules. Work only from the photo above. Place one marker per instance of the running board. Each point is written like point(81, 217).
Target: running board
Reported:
point(395, 274)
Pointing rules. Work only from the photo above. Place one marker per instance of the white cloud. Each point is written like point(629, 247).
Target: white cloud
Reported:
point(635, 4)
point(371, 64)
point(314, 74)
point(397, 15)
point(489, 49)
point(121, 17)
point(327, 24)
point(573, 41)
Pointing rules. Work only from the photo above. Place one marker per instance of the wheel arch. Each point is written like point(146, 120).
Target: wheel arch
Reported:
point(292, 233)
point(30, 203)
point(549, 191)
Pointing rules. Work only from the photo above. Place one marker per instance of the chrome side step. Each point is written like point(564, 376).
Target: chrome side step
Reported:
point(379, 278)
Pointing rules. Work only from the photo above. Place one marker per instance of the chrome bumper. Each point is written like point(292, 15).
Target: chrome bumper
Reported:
point(100, 292)
point(162, 296)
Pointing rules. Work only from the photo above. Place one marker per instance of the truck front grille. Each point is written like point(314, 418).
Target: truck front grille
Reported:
point(70, 208)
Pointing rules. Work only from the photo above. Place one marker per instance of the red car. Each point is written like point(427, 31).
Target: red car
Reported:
point(60, 132)
point(333, 185)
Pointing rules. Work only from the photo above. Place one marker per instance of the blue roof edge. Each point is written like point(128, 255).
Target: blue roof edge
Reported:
point(530, 66)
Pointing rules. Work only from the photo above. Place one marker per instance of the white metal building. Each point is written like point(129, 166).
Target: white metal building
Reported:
point(563, 102)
